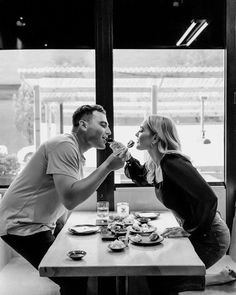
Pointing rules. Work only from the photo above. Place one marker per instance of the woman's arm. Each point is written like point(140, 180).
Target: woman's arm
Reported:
point(135, 171)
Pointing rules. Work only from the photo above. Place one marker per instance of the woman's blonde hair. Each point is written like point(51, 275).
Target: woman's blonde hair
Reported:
point(168, 139)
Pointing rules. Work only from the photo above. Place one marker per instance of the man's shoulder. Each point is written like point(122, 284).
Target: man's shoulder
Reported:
point(65, 141)
point(59, 139)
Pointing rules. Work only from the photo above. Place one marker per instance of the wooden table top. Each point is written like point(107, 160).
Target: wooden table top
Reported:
point(171, 257)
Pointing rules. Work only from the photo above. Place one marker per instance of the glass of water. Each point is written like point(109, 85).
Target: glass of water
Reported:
point(102, 209)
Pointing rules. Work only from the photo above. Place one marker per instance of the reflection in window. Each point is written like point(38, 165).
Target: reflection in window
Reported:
point(188, 86)
point(39, 91)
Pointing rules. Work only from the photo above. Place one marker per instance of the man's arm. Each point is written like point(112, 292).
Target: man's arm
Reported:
point(73, 192)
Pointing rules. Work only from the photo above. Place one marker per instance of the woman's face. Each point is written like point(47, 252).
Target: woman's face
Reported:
point(144, 137)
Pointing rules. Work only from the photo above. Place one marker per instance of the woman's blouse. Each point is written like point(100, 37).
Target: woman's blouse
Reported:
point(183, 190)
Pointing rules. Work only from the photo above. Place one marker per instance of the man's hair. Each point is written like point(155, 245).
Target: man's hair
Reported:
point(86, 111)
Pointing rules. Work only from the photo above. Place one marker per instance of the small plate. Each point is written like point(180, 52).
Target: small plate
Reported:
point(119, 232)
point(116, 249)
point(146, 242)
point(76, 254)
point(143, 219)
point(83, 229)
point(151, 215)
point(148, 231)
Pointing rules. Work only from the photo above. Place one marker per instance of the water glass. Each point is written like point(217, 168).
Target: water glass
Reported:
point(102, 209)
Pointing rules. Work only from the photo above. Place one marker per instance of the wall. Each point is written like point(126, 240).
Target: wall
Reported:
point(143, 198)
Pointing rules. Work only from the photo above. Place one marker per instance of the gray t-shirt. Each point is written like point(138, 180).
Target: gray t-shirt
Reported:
point(31, 204)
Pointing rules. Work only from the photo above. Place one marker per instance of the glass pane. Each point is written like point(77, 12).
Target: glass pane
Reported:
point(188, 86)
point(39, 91)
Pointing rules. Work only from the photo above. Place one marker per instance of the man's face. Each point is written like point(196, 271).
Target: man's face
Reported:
point(98, 130)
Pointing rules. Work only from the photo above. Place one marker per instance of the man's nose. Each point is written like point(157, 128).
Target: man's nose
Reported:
point(108, 131)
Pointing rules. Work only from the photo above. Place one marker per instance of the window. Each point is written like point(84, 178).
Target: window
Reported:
point(188, 86)
point(39, 92)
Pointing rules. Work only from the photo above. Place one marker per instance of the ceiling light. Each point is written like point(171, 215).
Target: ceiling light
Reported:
point(193, 31)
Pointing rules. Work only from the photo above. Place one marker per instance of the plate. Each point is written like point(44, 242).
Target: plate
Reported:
point(146, 242)
point(76, 254)
point(116, 249)
point(119, 232)
point(151, 215)
point(143, 219)
point(83, 229)
point(148, 231)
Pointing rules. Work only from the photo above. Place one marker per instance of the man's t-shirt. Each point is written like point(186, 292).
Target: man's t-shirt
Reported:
point(31, 204)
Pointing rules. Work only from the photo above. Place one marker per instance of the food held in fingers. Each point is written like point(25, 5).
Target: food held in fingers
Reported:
point(130, 144)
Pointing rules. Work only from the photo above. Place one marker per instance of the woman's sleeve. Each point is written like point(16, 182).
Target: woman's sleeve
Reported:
point(135, 171)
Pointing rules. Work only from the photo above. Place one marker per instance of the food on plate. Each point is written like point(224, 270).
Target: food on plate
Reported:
point(129, 219)
point(117, 226)
point(154, 236)
point(117, 244)
point(137, 238)
point(136, 227)
point(117, 218)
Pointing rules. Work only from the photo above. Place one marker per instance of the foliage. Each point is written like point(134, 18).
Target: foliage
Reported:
point(9, 164)
point(24, 111)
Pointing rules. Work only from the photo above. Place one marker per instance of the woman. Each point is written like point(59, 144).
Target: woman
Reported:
point(180, 187)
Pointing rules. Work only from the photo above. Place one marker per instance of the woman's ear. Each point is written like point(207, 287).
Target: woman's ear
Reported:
point(155, 139)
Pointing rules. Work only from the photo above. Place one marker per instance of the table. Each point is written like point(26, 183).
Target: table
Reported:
point(173, 257)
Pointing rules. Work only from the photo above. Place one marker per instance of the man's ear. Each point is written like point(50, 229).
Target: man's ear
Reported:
point(83, 124)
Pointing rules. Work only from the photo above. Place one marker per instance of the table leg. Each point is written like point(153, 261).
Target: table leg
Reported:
point(122, 287)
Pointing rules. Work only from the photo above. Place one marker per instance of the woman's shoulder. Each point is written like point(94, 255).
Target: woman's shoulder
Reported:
point(174, 156)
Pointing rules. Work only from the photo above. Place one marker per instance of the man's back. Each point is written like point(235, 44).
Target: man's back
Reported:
point(31, 203)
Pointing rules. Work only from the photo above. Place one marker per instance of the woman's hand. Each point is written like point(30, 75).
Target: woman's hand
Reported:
point(175, 232)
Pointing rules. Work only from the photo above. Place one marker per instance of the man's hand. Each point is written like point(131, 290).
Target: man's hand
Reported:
point(117, 146)
point(175, 232)
point(115, 162)
point(120, 150)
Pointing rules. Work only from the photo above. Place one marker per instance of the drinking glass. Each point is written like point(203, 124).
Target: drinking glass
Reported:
point(123, 209)
point(102, 209)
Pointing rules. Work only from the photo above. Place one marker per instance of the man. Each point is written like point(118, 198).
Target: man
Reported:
point(51, 184)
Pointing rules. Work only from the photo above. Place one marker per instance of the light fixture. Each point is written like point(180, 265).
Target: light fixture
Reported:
point(192, 32)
